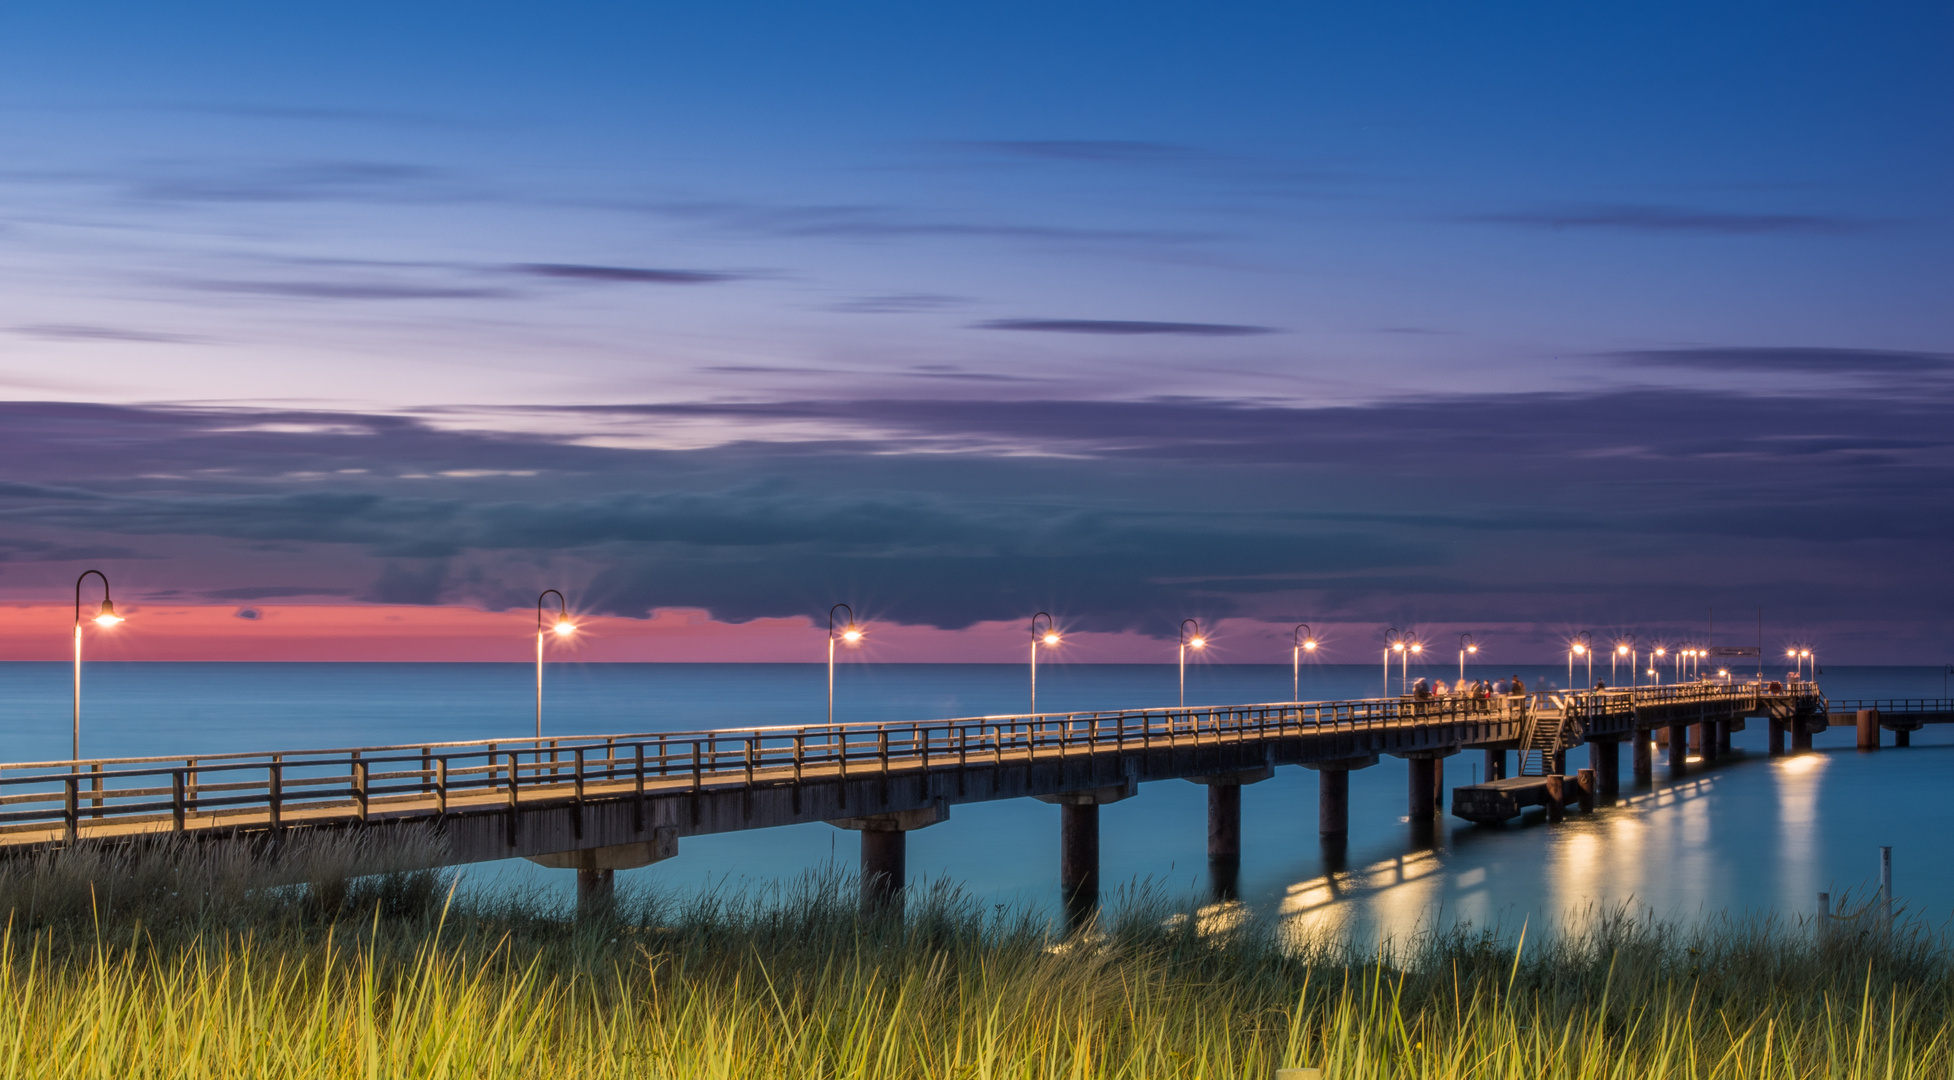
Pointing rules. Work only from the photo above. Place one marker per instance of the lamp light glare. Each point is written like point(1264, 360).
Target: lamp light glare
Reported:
point(565, 627)
point(1198, 643)
point(1472, 648)
point(1309, 646)
point(107, 617)
point(1051, 639)
point(851, 635)
point(1417, 648)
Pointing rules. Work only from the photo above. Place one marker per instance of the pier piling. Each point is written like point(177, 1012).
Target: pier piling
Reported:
point(1605, 758)
point(1642, 754)
point(1423, 788)
point(1224, 823)
point(1776, 741)
point(885, 867)
point(1078, 861)
point(1801, 737)
point(1678, 750)
point(1333, 802)
point(1868, 729)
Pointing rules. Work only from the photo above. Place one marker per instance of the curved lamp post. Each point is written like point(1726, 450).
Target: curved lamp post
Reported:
point(104, 618)
point(564, 628)
point(1581, 645)
point(1048, 639)
point(1625, 646)
point(1656, 652)
point(1195, 642)
point(852, 634)
point(1467, 646)
point(1304, 642)
point(1412, 647)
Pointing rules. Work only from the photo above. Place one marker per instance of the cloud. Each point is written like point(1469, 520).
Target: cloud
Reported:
point(894, 304)
point(1816, 361)
point(1672, 219)
point(352, 290)
point(248, 613)
point(1113, 151)
point(273, 592)
point(1123, 327)
point(320, 181)
point(70, 332)
point(867, 222)
point(634, 275)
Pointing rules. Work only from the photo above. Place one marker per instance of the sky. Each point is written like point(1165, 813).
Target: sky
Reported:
point(341, 332)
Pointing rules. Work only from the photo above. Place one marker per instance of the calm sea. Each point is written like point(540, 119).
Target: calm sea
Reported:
point(1753, 835)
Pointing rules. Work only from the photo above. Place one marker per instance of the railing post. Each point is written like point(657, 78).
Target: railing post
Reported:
point(190, 767)
point(95, 786)
point(698, 777)
point(176, 798)
point(882, 748)
point(427, 769)
point(359, 785)
point(441, 784)
point(638, 806)
point(71, 810)
point(748, 750)
point(275, 795)
point(800, 752)
point(579, 777)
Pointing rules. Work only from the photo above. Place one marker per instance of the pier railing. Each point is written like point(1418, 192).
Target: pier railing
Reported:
point(62, 800)
point(1896, 706)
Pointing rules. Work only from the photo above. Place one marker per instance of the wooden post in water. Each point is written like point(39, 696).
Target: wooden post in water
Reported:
point(1868, 729)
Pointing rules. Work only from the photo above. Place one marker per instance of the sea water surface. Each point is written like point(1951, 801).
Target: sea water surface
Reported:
point(1751, 836)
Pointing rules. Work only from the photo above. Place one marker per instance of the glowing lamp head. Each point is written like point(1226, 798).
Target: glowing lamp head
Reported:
point(1309, 646)
point(1723, 673)
point(1579, 649)
point(1050, 639)
point(1417, 648)
point(1660, 651)
point(1806, 653)
point(107, 616)
point(1397, 646)
point(851, 635)
point(1198, 643)
point(1472, 648)
point(564, 627)
point(1621, 650)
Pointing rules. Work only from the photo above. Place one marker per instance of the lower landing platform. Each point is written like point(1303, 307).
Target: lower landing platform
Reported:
point(1503, 800)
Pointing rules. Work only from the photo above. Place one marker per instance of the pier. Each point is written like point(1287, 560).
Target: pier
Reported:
point(601, 803)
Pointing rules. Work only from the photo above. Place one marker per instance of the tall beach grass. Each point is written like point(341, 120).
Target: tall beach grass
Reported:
point(215, 961)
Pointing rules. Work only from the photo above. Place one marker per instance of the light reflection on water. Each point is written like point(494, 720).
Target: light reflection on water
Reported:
point(1749, 835)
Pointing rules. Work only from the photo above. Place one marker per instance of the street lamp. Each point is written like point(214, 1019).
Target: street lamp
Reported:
point(1581, 645)
point(1655, 662)
point(1413, 647)
point(1466, 645)
point(1048, 639)
point(851, 634)
point(104, 618)
point(564, 628)
point(1624, 647)
point(1393, 642)
point(1195, 642)
point(1304, 642)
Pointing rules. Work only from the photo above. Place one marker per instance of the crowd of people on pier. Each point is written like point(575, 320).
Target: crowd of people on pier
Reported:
point(1476, 690)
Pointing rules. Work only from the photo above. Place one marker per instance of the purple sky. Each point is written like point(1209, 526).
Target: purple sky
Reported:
point(1537, 319)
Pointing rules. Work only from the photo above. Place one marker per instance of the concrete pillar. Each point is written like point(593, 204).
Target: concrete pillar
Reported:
point(1868, 729)
point(1495, 764)
point(885, 869)
point(1642, 757)
point(1801, 737)
point(1775, 747)
point(1605, 758)
point(1707, 740)
point(1224, 823)
point(1078, 845)
point(1438, 785)
point(1333, 802)
point(1695, 739)
point(1078, 859)
point(1678, 750)
point(1422, 789)
point(596, 893)
point(1903, 737)
point(1723, 737)
point(885, 851)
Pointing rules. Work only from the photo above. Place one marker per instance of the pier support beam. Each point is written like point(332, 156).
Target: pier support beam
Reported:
point(1678, 750)
point(1642, 757)
point(1706, 741)
point(1723, 736)
point(1078, 846)
point(1868, 729)
point(1902, 737)
point(597, 868)
point(1775, 745)
point(1225, 827)
point(1423, 806)
point(885, 851)
point(1333, 793)
point(1605, 758)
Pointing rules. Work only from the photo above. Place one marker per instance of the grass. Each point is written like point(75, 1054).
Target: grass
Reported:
point(212, 962)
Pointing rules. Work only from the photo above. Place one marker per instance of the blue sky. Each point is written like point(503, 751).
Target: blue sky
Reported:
point(1533, 316)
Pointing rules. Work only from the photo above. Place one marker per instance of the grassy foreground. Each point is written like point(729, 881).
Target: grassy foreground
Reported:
point(197, 964)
